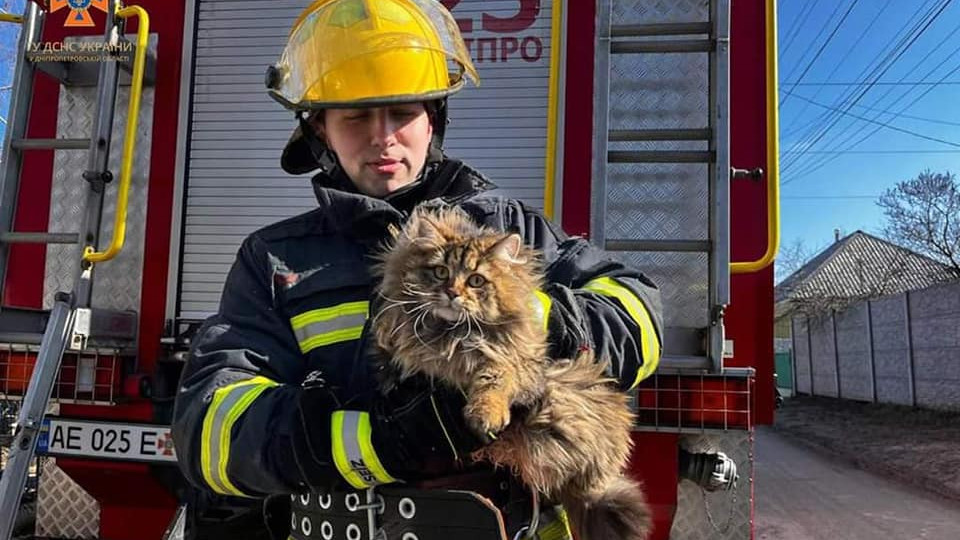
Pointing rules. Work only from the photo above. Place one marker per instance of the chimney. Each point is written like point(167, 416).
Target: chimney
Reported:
point(836, 235)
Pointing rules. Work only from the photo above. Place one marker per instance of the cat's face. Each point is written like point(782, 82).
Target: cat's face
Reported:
point(467, 279)
point(462, 275)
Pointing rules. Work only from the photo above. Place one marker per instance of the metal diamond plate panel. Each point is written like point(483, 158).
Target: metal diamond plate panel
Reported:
point(666, 90)
point(64, 509)
point(657, 201)
point(660, 11)
point(116, 282)
point(683, 279)
point(720, 515)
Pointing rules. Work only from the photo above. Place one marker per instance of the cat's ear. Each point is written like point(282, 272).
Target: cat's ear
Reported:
point(508, 249)
point(422, 228)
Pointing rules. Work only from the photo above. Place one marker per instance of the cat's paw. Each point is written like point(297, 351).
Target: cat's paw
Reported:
point(488, 416)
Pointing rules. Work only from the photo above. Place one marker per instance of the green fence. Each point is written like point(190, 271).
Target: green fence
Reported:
point(784, 371)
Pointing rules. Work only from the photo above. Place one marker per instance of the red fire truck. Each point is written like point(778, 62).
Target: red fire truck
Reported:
point(648, 126)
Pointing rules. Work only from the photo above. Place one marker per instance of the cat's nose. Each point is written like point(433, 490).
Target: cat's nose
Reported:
point(452, 294)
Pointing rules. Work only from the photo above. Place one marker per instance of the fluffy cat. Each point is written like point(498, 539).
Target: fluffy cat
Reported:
point(458, 308)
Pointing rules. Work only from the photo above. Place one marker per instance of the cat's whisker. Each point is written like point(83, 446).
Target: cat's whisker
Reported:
point(394, 300)
point(416, 332)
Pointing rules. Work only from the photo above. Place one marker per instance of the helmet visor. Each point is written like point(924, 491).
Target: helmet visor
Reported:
point(345, 53)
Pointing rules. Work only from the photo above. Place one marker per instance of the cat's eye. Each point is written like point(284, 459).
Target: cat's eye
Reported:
point(441, 272)
point(476, 280)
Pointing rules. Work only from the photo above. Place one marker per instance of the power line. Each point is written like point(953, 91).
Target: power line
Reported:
point(873, 72)
point(901, 115)
point(823, 29)
point(823, 46)
point(911, 83)
point(868, 71)
point(819, 166)
point(873, 152)
point(826, 197)
point(833, 141)
point(892, 58)
point(789, 37)
point(839, 62)
point(823, 162)
point(883, 124)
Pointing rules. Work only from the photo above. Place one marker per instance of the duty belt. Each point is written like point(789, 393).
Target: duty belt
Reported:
point(394, 513)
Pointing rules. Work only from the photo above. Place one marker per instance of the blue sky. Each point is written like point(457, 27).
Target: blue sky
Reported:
point(833, 164)
point(8, 42)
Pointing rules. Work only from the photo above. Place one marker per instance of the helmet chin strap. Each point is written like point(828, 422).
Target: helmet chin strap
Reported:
point(325, 157)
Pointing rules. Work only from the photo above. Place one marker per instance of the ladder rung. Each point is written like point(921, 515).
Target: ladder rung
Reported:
point(665, 46)
point(38, 238)
point(670, 363)
point(51, 144)
point(681, 246)
point(633, 135)
point(659, 156)
point(664, 29)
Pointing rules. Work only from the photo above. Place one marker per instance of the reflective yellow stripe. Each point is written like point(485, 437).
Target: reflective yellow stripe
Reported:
point(541, 305)
point(226, 407)
point(365, 438)
point(554, 525)
point(340, 453)
point(353, 452)
point(650, 343)
point(326, 314)
point(329, 338)
point(326, 326)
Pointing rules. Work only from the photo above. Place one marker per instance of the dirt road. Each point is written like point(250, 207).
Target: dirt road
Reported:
point(805, 495)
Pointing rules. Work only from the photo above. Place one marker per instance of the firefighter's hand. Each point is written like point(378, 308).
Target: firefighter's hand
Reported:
point(421, 428)
point(413, 432)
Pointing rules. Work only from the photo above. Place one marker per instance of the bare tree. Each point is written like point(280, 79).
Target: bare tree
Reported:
point(791, 258)
point(923, 214)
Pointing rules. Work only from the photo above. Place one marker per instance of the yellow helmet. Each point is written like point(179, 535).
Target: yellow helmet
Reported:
point(356, 53)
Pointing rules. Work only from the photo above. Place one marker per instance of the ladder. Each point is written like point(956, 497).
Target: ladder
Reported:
point(72, 320)
point(661, 175)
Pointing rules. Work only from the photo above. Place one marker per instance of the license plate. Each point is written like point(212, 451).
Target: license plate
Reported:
point(106, 440)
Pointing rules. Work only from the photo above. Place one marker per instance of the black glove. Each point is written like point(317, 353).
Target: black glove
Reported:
point(413, 432)
point(421, 428)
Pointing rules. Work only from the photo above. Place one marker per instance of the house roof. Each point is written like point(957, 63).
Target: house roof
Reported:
point(861, 265)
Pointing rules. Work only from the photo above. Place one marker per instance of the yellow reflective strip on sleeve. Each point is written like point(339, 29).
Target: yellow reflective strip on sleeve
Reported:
point(650, 342)
point(340, 458)
point(232, 416)
point(329, 338)
point(326, 314)
point(542, 305)
point(370, 459)
point(226, 407)
point(206, 435)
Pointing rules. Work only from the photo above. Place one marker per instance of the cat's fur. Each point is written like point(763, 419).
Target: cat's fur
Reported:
point(572, 438)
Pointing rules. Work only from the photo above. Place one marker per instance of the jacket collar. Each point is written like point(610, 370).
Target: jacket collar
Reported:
point(450, 181)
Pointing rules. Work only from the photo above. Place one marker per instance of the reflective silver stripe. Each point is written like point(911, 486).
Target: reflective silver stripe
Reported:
point(329, 325)
point(353, 452)
point(327, 328)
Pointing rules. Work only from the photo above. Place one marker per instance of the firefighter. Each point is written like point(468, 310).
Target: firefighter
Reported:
point(277, 396)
